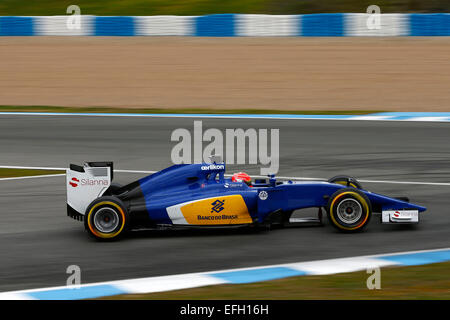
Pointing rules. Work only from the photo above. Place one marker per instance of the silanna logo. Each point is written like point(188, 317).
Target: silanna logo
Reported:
point(217, 206)
point(74, 182)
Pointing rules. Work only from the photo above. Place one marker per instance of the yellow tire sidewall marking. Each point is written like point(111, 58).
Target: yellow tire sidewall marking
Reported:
point(102, 234)
point(360, 199)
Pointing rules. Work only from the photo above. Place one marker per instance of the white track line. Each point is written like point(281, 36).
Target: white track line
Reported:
point(407, 182)
point(228, 175)
point(32, 168)
point(135, 171)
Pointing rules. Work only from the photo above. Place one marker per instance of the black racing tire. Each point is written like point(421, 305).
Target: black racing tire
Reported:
point(347, 181)
point(106, 218)
point(349, 210)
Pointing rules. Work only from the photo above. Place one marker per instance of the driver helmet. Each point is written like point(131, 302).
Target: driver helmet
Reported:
point(241, 177)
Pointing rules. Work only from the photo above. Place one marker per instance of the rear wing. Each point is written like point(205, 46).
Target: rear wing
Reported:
point(85, 184)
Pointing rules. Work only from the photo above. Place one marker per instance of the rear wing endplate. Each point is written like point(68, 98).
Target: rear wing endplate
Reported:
point(86, 183)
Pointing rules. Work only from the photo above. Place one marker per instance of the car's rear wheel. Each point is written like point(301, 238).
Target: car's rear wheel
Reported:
point(106, 218)
point(346, 181)
point(349, 210)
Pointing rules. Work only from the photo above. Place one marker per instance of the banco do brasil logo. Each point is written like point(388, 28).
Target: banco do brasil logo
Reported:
point(217, 206)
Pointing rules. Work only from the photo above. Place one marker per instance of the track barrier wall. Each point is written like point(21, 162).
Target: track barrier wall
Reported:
point(231, 25)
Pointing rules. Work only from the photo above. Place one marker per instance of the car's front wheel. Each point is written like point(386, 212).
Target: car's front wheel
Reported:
point(106, 218)
point(349, 210)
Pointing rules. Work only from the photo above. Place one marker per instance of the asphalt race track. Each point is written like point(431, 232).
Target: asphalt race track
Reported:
point(38, 241)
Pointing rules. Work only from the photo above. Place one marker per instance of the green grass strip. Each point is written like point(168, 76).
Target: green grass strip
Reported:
point(12, 173)
point(200, 7)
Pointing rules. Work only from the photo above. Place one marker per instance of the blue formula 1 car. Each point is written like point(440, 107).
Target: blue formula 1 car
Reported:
point(199, 195)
